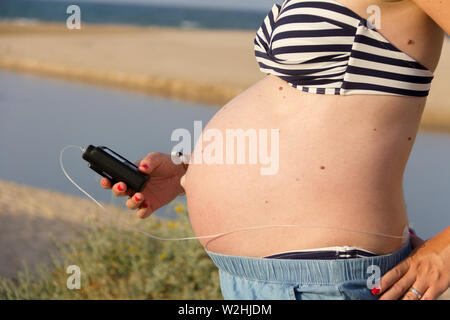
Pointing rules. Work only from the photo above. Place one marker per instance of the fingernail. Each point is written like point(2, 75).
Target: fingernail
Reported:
point(144, 166)
point(137, 198)
point(375, 291)
point(119, 187)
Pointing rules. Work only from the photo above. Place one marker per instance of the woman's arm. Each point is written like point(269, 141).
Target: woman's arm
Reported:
point(439, 11)
point(427, 270)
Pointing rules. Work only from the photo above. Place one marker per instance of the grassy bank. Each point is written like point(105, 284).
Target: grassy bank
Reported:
point(120, 264)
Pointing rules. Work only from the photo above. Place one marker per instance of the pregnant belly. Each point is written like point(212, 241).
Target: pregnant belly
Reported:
point(318, 162)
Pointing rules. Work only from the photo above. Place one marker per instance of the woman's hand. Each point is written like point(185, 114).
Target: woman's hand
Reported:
point(162, 187)
point(426, 270)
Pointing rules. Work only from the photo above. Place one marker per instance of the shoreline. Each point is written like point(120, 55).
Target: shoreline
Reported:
point(216, 65)
point(129, 57)
point(151, 84)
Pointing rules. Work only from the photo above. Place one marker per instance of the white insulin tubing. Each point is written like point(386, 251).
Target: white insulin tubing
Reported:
point(405, 235)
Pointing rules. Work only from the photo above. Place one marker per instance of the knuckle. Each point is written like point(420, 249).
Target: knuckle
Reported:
point(410, 262)
point(397, 273)
point(129, 204)
point(142, 214)
point(398, 288)
point(415, 266)
point(423, 268)
point(434, 275)
point(153, 155)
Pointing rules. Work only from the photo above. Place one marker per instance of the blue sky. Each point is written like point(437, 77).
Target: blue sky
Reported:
point(261, 5)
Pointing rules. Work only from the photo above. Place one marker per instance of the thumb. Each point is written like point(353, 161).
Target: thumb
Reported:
point(150, 162)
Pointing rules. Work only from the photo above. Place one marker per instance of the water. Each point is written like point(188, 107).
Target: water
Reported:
point(203, 17)
point(427, 183)
point(38, 116)
point(135, 14)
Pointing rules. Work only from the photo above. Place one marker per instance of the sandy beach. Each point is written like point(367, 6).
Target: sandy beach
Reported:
point(206, 66)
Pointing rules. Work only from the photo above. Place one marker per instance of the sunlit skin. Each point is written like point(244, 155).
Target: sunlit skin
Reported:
point(342, 160)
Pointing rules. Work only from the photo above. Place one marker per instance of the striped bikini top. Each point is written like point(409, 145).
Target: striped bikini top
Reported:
point(325, 48)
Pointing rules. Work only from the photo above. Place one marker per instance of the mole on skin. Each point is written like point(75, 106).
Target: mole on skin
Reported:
point(322, 167)
point(409, 138)
point(410, 41)
point(281, 88)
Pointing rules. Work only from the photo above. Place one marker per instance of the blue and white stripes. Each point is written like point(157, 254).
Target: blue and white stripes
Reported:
point(323, 47)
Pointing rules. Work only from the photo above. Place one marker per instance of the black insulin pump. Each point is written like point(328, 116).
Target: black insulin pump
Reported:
point(116, 168)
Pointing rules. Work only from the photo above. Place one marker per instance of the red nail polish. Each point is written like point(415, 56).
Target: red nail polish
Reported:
point(375, 291)
point(119, 187)
point(137, 198)
point(145, 205)
point(144, 166)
